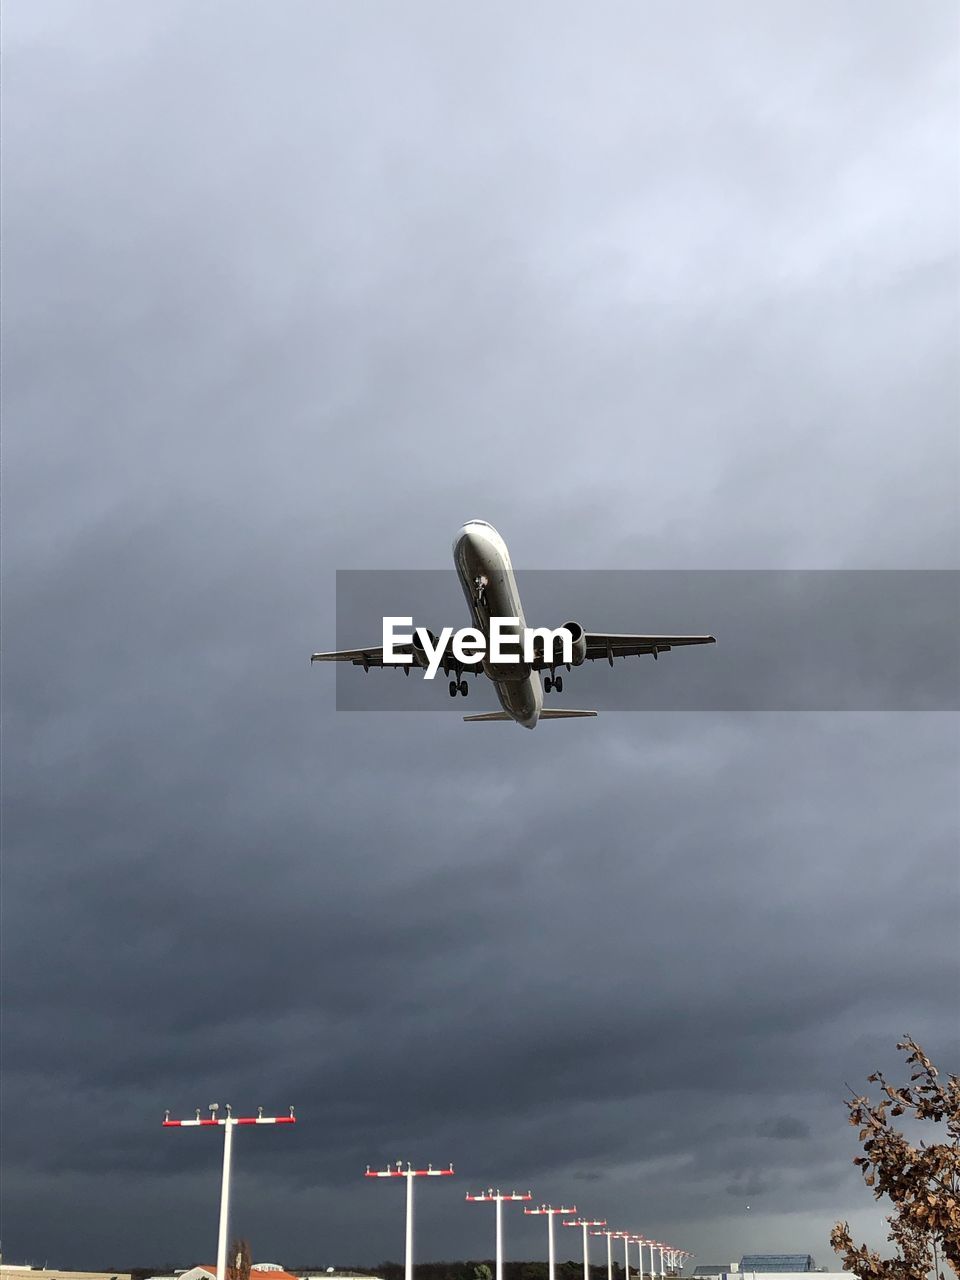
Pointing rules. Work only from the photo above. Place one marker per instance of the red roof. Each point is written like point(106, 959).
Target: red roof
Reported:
point(267, 1275)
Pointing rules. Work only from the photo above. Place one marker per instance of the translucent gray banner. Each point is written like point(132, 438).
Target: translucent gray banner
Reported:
point(795, 640)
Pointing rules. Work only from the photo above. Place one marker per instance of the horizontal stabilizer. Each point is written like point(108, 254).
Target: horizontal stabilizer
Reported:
point(548, 713)
point(559, 713)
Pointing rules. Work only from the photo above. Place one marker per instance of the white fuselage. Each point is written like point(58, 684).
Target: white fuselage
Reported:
point(486, 575)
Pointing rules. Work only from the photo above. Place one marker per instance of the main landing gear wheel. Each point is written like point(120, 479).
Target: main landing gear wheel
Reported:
point(558, 683)
point(553, 682)
point(464, 688)
point(454, 688)
point(547, 684)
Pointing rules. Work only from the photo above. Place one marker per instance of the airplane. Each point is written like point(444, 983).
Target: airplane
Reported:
point(486, 575)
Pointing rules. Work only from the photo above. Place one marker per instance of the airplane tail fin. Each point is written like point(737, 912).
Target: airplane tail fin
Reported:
point(548, 713)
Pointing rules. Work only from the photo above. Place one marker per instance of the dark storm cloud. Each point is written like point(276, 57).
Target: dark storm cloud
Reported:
point(788, 1128)
point(292, 293)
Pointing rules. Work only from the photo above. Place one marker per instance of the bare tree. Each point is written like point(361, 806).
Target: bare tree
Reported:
point(238, 1268)
point(922, 1182)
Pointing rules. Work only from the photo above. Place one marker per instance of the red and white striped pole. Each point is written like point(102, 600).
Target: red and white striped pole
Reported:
point(626, 1237)
point(650, 1246)
point(675, 1259)
point(640, 1242)
point(630, 1237)
point(228, 1124)
point(551, 1213)
point(585, 1224)
point(409, 1173)
point(653, 1265)
point(609, 1235)
point(498, 1198)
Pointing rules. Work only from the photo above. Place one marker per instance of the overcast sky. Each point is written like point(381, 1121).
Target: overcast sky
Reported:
point(302, 287)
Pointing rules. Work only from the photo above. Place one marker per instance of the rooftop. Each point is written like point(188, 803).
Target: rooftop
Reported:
point(776, 1262)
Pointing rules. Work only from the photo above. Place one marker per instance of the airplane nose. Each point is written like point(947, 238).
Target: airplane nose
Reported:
point(461, 542)
point(469, 538)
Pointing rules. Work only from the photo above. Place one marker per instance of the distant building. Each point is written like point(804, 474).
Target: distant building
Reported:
point(764, 1263)
point(206, 1272)
point(332, 1273)
point(757, 1266)
point(788, 1266)
point(13, 1272)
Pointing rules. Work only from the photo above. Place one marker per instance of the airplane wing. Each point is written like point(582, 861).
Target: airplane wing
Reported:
point(366, 658)
point(610, 645)
point(372, 656)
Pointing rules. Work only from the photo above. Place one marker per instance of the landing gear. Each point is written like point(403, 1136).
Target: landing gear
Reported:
point(460, 687)
point(480, 590)
point(558, 683)
point(553, 682)
point(464, 688)
point(454, 688)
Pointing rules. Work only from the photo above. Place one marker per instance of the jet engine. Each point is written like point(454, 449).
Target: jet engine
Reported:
point(578, 648)
point(579, 639)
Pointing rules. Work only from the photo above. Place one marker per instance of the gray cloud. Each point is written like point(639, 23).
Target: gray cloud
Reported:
point(787, 1128)
point(303, 293)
